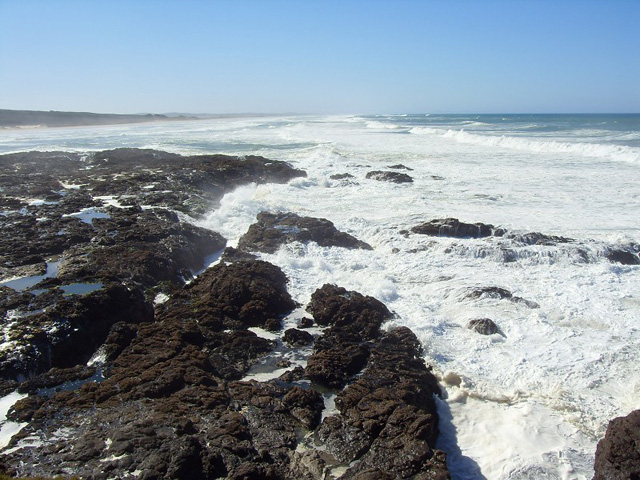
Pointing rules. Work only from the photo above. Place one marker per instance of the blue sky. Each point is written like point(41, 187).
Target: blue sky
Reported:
point(348, 56)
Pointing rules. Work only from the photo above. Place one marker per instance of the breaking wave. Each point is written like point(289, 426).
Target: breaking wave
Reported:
point(612, 152)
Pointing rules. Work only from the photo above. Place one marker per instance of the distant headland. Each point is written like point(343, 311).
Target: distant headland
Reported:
point(34, 118)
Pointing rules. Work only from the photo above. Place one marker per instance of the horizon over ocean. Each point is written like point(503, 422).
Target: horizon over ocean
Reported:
point(530, 403)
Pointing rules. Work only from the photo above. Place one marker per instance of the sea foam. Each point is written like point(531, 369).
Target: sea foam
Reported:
point(596, 150)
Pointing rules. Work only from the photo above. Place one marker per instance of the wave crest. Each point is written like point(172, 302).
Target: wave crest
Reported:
point(598, 150)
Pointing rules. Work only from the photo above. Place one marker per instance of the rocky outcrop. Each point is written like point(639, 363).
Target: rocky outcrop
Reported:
point(625, 257)
point(69, 332)
point(618, 453)
point(272, 230)
point(393, 177)
point(297, 338)
point(172, 404)
point(181, 371)
point(536, 238)
point(94, 238)
point(387, 422)
point(510, 246)
point(344, 348)
point(133, 373)
point(452, 227)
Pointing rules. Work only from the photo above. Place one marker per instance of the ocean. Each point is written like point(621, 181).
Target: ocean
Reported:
point(531, 402)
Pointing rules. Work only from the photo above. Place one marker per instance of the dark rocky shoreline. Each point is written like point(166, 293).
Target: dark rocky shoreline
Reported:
point(130, 372)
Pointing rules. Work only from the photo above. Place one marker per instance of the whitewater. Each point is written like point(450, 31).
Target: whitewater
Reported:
point(530, 402)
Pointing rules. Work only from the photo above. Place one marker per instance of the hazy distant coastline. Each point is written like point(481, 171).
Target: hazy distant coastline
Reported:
point(34, 118)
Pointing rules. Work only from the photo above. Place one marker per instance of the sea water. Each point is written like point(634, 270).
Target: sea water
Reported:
point(531, 402)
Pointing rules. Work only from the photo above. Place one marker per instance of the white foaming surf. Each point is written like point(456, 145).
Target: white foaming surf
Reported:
point(530, 403)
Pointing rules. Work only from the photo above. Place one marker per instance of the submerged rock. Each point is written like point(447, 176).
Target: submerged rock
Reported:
point(618, 453)
point(624, 257)
point(499, 293)
point(535, 238)
point(341, 176)
point(484, 326)
point(272, 230)
point(400, 166)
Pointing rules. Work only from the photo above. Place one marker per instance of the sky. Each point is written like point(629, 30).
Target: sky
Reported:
point(320, 57)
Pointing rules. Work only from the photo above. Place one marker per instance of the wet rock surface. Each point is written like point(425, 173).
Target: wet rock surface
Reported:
point(173, 403)
point(510, 246)
point(618, 453)
point(341, 176)
point(625, 257)
point(501, 294)
point(452, 227)
point(272, 230)
point(484, 326)
point(297, 338)
point(354, 321)
point(387, 419)
point(399, 166)
point(386, 176)
point(69, 332)
point(131, 373)
point(89, 241)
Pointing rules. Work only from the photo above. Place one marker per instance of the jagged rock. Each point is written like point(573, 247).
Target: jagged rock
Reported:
point(69, 333)
point(294, 375)
point(174, 389)
point(240, 295)
point(297, 338)
point(120, 337)
point(452, 227)
point(89, 244)
point(535, 238)
point(179, 371)
point(56, 377)
point(145, 247)
point(388, 419)
point(342, 351)
point(190, 184)
point(618, 453)
point(24, 409)
point(272, 230)
point(484, 326)
point(624, 257)
point(333, 305)
point(394, 177)
point(167, 400)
